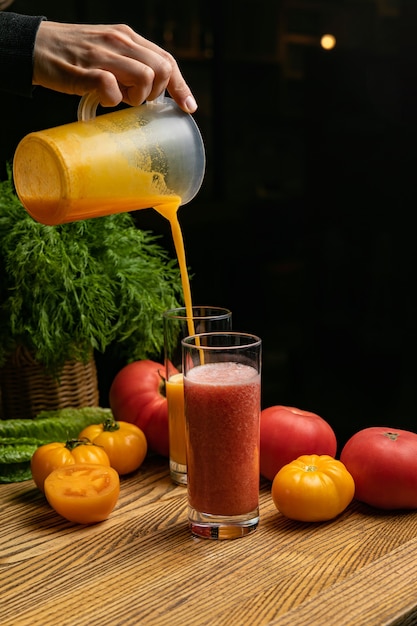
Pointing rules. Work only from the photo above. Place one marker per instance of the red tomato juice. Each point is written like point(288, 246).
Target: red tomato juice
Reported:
point(222, 407)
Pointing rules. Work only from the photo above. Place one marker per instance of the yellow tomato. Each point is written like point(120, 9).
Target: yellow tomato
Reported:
point(313, 488)
point(124, 443)
point(50, 456)
point(83, 493)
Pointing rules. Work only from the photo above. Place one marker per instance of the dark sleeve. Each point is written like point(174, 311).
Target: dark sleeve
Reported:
point(17, 41)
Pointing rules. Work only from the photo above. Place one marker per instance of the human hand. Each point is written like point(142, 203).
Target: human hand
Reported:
point(112, 61)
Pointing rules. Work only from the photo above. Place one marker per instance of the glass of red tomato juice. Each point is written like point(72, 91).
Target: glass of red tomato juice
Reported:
point(222, 399)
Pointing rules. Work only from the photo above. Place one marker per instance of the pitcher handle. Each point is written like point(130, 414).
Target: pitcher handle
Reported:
point(87, 107)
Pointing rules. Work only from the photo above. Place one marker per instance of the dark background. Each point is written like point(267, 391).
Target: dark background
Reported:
point(304, 226)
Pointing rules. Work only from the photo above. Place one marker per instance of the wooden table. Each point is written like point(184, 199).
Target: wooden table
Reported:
point(141, 566)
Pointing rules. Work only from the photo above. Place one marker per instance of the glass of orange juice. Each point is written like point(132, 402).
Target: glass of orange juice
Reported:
point(178, 323)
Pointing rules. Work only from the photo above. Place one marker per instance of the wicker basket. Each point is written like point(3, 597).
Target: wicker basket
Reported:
point(26, 389)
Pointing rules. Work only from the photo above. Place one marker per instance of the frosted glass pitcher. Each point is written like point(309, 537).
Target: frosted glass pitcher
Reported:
point(133, 158)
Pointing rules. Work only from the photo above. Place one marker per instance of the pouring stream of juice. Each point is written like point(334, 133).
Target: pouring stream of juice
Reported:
point(169, 210)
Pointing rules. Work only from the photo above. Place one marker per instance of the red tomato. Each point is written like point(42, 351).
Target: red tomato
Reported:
point(137, 395)
point(287, 433)
point(383, 463)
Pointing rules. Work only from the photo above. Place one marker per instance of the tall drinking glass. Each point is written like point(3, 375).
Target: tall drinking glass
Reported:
point(177, 325)
point(222, 391)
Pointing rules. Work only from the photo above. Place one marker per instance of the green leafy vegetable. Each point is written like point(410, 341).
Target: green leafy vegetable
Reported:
point(65, 290)
point(54, 425)
point(17, 452)
point(15, 472)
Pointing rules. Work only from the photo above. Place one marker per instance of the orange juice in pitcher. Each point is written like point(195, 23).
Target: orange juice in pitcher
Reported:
point(134, 158)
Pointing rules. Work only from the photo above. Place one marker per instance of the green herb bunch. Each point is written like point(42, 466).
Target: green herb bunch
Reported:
point(70, 289)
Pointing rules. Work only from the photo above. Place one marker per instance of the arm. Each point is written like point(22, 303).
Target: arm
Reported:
point(17, 40)
point(112, 61)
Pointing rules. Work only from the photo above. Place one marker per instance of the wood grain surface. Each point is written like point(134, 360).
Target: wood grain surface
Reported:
point(142, 566)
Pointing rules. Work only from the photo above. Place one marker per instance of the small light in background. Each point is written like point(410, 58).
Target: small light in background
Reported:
point(328, 42)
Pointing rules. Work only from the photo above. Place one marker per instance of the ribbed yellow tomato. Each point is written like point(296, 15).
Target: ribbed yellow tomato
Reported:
point(50, 456)
point(124, 443)
point(313, 488)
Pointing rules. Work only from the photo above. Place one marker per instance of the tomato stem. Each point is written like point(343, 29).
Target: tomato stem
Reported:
point(392, 436)
point(162, 384)
point(110, 425)
point(74, 443)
